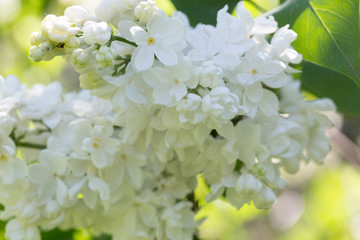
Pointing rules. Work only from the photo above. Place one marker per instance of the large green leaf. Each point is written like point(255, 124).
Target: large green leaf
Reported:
point(289, 11)
point(202, 11)
point(324, 82)
point(328, 32)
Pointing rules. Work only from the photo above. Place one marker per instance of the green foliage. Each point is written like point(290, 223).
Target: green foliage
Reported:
point(56, 234)
point(328, 36)
point(203, 11)
point(340, 88)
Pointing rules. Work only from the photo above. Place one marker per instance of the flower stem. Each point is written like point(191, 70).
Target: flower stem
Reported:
point(30, 145)
point(121, 39)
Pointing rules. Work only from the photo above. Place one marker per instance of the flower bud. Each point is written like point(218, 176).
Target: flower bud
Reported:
point(73, 42)
point(80, 57)
point(210, 76)
point(105, 57)
point(36, 39)
point(189, 109)
point(144, 10)
point(36, 53)
point(96, 32)
point(47, 23)
point(221, 104)
point(77, 14)
point(60, 30)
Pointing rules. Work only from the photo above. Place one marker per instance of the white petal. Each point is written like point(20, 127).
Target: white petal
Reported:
point(170, 138)
point(33, 233)
point(21, 168)
point(165, 54)
point(39, 174)
point(135, 175)
point(52, 120)
point(269, 105)
point(46, 191)
point(104, 11)
point(272, 67)
point(97, 184)
point(244, 15)
point(143, 58)
point(133, 94)
point(155, 22)
point(276, 81)
point(140, 36)
point(179, 91)
point(75, 189)
point(111, 146)
point(236, 199)
point(7, 173)
point(197, 42)
point(100, 159)
point(130, 223)
point(229, 181)
point(61, 192)
point(217, 41)
point(226, 60)
point(293, 150)
point(254, 92)
point(59, 163)
point(90, 198)
point(264, 25)
point(124, 29)
point(161, 95)
point(147, 215)
point(81, 127)
point(170, 31)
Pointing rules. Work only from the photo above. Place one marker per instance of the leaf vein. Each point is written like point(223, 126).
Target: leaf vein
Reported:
point(339, 16)
point(335, 42)
point(307, 37)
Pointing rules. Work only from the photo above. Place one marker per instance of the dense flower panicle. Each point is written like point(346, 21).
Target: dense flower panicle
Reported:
point(164, 102)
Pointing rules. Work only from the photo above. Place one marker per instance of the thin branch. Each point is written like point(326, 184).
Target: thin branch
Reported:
point(121, 39)
point(347, 148)
point(30, 145)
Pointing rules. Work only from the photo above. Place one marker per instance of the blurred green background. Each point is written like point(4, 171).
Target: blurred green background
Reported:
point(321, 202)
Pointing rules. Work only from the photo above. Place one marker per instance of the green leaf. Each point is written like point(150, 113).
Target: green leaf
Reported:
point(57, 234)
point(324, 82)
point(289, 11)
point(203, 11)
point(328, 32)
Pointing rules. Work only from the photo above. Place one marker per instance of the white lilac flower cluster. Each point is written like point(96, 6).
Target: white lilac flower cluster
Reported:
point(164, 103)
